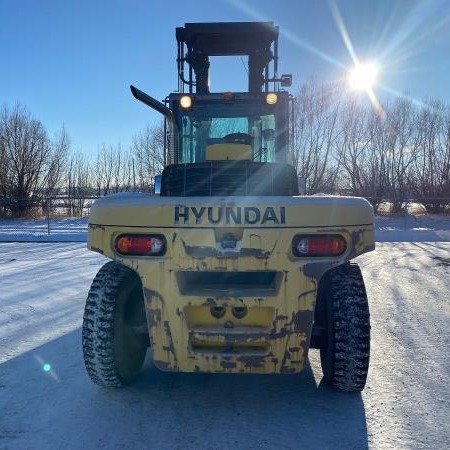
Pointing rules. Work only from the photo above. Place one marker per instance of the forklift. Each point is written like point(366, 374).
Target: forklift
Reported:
point(227, 267)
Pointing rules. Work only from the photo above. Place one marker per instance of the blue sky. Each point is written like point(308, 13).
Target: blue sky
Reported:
point(72, 63)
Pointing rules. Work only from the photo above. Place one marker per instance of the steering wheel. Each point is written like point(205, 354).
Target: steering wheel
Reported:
point(238, 138)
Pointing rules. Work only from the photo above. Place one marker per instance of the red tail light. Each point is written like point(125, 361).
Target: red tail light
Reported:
point(141, 244)
point(318, 245)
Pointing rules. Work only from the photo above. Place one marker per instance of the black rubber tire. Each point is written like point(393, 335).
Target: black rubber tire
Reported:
point(113, 351)
point(345, 352)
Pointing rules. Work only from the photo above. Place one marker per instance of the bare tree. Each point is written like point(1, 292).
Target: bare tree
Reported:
point(399, 142)
point(315, 133)
point(361, 159)
point(430, 171)
point(376, 151)
point(113, 170)
point(78, 184)
point(103, 168)
point(31, 163)
point(148, 157)
point(61, 150)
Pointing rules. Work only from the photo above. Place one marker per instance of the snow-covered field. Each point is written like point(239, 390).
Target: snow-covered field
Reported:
point(48, 402)
point(428, 227)
point(61, 229)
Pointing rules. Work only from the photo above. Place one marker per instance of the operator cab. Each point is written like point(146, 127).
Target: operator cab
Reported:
point(229, 143)
point(249, 125)
point(231, 126)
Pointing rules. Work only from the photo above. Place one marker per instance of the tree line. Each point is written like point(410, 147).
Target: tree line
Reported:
point(397, 152)
point(340, 144)
point(36, 169)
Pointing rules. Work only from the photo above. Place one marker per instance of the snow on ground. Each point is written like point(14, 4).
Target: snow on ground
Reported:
point(407, 228)
point(61, 229)
point(47, 400)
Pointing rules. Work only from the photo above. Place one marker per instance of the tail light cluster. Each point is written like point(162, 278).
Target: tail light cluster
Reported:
point(304, 245)
point(140, 244)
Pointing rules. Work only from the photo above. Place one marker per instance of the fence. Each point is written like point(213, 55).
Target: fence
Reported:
point(57, 219)
point(52, 219)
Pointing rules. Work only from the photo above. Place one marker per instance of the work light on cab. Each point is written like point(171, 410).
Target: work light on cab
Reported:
point(318, 245)
point(185, 101)
point(141, 245)
point(271, 98)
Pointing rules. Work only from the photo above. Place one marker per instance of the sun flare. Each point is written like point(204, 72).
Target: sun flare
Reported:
point(363, 76)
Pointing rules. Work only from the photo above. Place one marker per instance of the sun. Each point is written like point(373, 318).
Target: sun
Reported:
point(363, 76)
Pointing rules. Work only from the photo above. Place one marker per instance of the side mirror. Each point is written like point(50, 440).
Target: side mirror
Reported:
point(157, 185)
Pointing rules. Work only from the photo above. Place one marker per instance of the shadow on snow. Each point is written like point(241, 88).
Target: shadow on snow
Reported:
point(49, 401)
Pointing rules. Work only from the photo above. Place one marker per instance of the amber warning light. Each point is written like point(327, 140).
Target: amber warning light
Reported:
point(141, 244)
point(318, 245)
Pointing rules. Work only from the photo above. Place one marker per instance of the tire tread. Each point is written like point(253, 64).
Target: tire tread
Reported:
point(98, 325)
point(350, 334)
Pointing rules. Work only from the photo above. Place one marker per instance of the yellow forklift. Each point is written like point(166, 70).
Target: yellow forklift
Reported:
point(226, 267)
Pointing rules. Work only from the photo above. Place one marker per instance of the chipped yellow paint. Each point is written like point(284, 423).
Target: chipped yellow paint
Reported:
point(259, 329)
point(160, 334)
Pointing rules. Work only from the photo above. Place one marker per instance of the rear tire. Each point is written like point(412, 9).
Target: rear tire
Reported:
point(345, 352)
point(113, 346)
